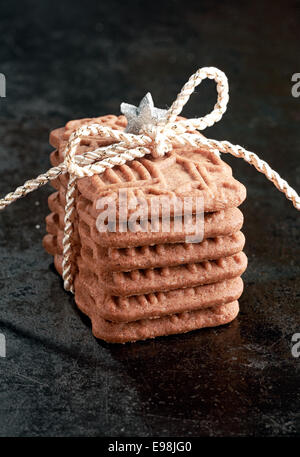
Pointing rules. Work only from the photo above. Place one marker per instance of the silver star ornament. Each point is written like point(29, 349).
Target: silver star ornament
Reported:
point(145, 113)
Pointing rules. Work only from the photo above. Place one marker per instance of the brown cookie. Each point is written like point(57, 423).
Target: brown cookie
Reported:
point(172, 254)
point(220, 223)
point(184, 172)
point(145, 281)
point(159, 255)
point(112, 332)
point(158, 304)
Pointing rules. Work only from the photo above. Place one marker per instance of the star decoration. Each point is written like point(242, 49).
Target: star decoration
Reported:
point(145, 113)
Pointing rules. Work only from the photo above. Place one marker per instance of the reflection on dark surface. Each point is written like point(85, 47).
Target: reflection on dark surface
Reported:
point(220, 381)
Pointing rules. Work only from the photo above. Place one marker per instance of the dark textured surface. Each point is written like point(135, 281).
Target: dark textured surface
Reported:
point(66, 60)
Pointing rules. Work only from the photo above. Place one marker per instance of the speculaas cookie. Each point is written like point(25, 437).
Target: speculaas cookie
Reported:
point(158, 255)
point(187, 321)
point(158, 304)
point(182, 173)
point(219, 223)
point(145, 281)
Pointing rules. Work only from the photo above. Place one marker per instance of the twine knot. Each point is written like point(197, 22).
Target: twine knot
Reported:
point(161, 143)
point(155, 138)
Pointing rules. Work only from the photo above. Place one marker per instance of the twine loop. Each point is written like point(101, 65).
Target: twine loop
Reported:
point(156, 140)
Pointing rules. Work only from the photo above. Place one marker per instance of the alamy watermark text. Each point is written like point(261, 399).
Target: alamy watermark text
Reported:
point(2, 85)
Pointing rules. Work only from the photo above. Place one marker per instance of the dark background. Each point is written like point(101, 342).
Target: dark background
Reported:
point(71, 59)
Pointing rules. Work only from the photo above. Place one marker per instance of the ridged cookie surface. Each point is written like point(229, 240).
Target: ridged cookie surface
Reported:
point(158, 304)
point(158, 255)
point(113, 332)
point(184, 172)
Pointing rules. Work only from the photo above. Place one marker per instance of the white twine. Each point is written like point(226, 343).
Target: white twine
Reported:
point(152, 139)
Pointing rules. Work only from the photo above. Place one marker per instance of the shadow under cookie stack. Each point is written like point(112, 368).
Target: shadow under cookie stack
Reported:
point(136, 285)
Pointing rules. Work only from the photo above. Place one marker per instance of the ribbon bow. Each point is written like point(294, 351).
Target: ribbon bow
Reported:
point(152, 139)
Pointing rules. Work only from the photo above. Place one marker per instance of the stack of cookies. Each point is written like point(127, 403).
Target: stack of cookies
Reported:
point(142, 283)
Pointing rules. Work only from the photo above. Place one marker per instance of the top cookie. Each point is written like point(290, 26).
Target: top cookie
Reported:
point(183, 172)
